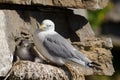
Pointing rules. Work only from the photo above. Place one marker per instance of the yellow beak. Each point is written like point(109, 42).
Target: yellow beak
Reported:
point(42, 27)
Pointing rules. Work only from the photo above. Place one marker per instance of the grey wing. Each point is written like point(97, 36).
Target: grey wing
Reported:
point(57, 46)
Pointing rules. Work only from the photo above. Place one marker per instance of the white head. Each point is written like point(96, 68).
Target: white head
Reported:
point(47, 25)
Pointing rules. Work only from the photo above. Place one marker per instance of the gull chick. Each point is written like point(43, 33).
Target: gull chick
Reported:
point(57, 49)
point(24, 52)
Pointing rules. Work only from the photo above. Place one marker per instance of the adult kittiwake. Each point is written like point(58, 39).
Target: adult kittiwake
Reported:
point(57, 49)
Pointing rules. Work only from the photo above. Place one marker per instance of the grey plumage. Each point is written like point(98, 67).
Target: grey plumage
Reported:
point(57, 46)
point(24, 52)
point(57, 49)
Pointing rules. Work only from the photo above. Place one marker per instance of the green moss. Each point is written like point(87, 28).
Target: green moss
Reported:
point(97, 17)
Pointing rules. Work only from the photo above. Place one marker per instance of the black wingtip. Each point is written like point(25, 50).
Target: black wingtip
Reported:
point(94, 65)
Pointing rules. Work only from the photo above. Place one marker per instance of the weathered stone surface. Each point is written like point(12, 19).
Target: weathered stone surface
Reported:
point(21, 25)
point(6, 56)
point(89, 4)
point(26, 70)
point(98, 50)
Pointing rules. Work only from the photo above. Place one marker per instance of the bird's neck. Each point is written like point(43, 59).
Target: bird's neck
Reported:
point(51, 32)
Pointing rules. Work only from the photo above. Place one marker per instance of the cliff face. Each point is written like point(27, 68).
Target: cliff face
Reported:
point(18, 22)
point(88, 4)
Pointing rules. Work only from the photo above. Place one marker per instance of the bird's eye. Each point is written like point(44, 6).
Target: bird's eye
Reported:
point(48, 25)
